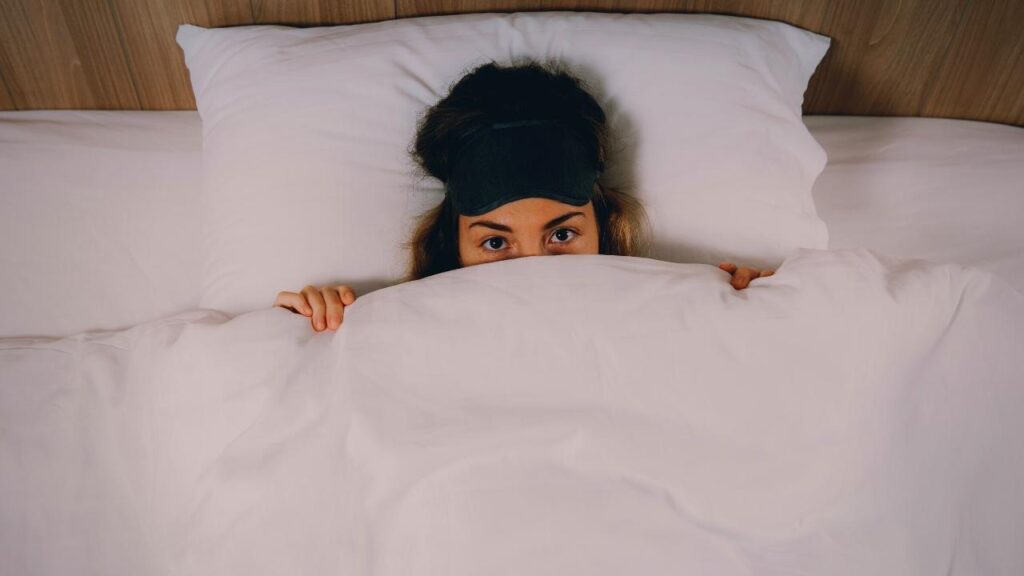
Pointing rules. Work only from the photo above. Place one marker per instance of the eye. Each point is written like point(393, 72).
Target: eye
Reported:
point(561, 233)
point(494, 243)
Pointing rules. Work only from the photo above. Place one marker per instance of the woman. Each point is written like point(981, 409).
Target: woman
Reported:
point(520, 150)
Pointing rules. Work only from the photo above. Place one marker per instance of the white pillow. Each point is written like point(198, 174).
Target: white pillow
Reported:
point(306, 136)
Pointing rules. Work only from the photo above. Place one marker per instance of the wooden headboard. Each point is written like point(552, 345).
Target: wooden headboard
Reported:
point(939, 58)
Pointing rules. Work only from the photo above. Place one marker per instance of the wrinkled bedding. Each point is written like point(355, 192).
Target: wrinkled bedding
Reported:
point(852, 414)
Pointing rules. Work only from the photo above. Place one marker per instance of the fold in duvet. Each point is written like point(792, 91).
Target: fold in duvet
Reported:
point(852, 414)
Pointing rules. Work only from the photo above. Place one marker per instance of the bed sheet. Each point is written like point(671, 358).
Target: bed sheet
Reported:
point(940, 189)
point(99, 219)
point(99, 224)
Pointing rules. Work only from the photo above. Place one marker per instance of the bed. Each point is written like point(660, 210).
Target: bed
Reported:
point(931, 188)
point(858, 412)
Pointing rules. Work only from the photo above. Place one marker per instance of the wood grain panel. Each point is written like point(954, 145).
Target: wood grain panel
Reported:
point(885, 55)
point(983, 72)
point(945, 58)
point(808, 14)
point(6, 100)
point(156, 64)
point(55, 53)
point(321, 12)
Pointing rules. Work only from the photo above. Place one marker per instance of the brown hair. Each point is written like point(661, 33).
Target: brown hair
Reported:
point(493, 93)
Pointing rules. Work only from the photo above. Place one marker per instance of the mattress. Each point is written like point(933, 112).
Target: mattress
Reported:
point(99, 224)
point(99, 219)
point(939, 189)
point(854, 414)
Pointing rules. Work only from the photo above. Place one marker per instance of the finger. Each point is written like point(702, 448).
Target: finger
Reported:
point(333, 300)
point(751, 274)
point(728, 267)
point(316, 302)
point(294, 302)
point(348, 295)
point(742, 278)
point(766, 273)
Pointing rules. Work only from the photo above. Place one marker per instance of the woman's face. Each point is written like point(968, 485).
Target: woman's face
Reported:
point(528, 227)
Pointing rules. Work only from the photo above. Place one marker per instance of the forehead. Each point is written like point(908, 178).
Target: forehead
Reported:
point(526, 211)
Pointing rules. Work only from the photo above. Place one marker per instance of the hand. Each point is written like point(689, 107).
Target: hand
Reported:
point(741, 277)
point(324, 306)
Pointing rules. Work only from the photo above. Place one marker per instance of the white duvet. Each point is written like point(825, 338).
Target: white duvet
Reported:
point(852, 414)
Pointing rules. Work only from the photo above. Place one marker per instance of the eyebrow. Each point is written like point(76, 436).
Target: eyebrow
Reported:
point(504, 228)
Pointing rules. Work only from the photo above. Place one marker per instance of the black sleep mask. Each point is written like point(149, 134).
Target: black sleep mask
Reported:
point(506, 161)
